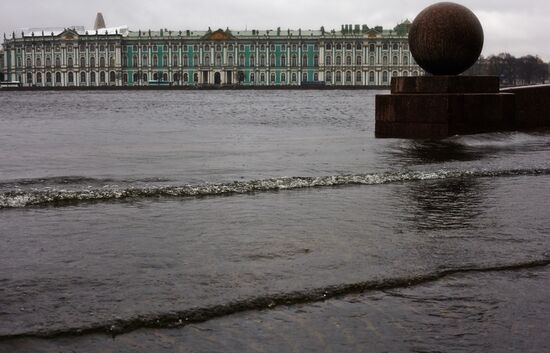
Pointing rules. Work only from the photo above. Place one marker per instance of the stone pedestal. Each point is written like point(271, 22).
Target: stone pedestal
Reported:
point(442, 106)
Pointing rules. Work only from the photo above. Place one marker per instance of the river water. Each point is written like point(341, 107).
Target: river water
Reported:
point(264, 221)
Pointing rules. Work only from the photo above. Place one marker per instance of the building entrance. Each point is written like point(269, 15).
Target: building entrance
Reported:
point(217, 78)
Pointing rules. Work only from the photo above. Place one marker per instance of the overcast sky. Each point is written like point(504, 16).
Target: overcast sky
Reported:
point(517, 27)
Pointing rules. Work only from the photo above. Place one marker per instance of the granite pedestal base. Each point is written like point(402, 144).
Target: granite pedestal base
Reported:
point(442, 106)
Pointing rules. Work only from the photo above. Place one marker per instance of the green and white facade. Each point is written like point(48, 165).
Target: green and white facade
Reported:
point(354, 56)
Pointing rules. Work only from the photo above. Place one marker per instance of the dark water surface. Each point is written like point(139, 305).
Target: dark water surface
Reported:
point(264, 221)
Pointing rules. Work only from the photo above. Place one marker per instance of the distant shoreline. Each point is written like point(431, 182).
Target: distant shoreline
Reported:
point(193, 88)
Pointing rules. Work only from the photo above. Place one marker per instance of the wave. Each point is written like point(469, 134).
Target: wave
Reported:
point(201, 314)
point(73, 180)
point(63, 197)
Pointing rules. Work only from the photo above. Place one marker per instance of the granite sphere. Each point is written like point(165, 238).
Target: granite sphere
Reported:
point(446, 39)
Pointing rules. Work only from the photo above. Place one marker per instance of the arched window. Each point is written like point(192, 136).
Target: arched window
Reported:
point(394, 60)
point(92, 61)
point(394, 74)
point(262, 77)
point(145, 60)
point(304, 77)
point(175, 60)
point(57, 61)
point(252, 77)
point(155, 60)
point(385, 60)
point(29, 78)
point(165, 77)
point(70, 61)
point(338, 60)
point(38, 61)
point(82, 77)
point(358, 76)
point(358, 61)
point(348, 60)
point(338, 46)
point(102, 61)
point(385, 77)
point(39, 77)
point(230, 60)
point(82, 61)
point(272, 61)
point(136, 78)
point(328, 46)
point(316, 77)
point(155, 76)
point(294, 61)
point(328, 60)
point(304, 60)
point(185, 61)
point(348, 46)
point(218, 60)
point(48, 61)
point(145, 78)
point(272, 77)
point(135, 61)
point(283, 60)
point(92, 77)
point(371, 77)
point(207, 60)
point(348, 76)
point(293, 77)
point(262, 61)
point(405, 60)
point(315, 60)
point(371, 48)
point(102, 77)
point(283, 78)
point(71, 77)
point(241, 60)
point(415, 73)
point(185, 77)
point(125, 78)
point(395, 46)
point(112, 61)
point(195, 77)
point(252, 61)
point(371, 60)
point(196, 61)
point(29, 62)
point(112, 77)
point(58, 77)
point(328, 77)
point(338, 76)
point(405, 73)
point(48, 77)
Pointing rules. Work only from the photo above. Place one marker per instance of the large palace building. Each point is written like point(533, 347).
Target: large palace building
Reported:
point(353, 56)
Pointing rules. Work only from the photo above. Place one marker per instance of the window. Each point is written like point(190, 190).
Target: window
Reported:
point(358, 61)
point(348, 76)
point(283, 60)
point(316, 77)
point(272, 60)
point(338, 46)
point(185, 60)
point(48, 61)
point(112, 61)
point(29, 62)
point(71, 77)
point(195, 77)
point(39, 77)
point(405, 60)
point(348, 60)
point(371, 77)
point(144, 60)
point(328, 77)
point(371, 60)
point(102, 77)
point(29, 78)
point(82, 61)
point(358, 76)
point(385, 60)
point(230, 60)
point(262, 61)
point(272, 77)
point(207, 60)
point(415, 73)
point(358, 46)
point(328, 46)
point(125, 78)
point(48, 77)
point(218, 60)
point(348, 46)
point(405, 73)
point(82, 77)
point(385, 77)
point(294, 60)
point(196, 60)
point(394, 74)
point(252, 61)
point(58, 77)
point(283, 77)
point(57, 61)
point(338, 60)
point(293, 77)
point(262, 77)
point(102, 61)
point(241, 60)
point(92, 77)
point(395, 46)
point(304, 60)
point(315, 60)
point(394, 60)
point(92, 61)
point(112, 77)
point(304, 77)
point(136, 78)
point(385, 46)
point(135, 61)
point(165, 60)
point(155, 60)
point(38, 61)
point(164, 76)
point(371, 48)
point(328, 60)
point(145, 78)
point(185, 77)
point(175, 60)
point(338, 76)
